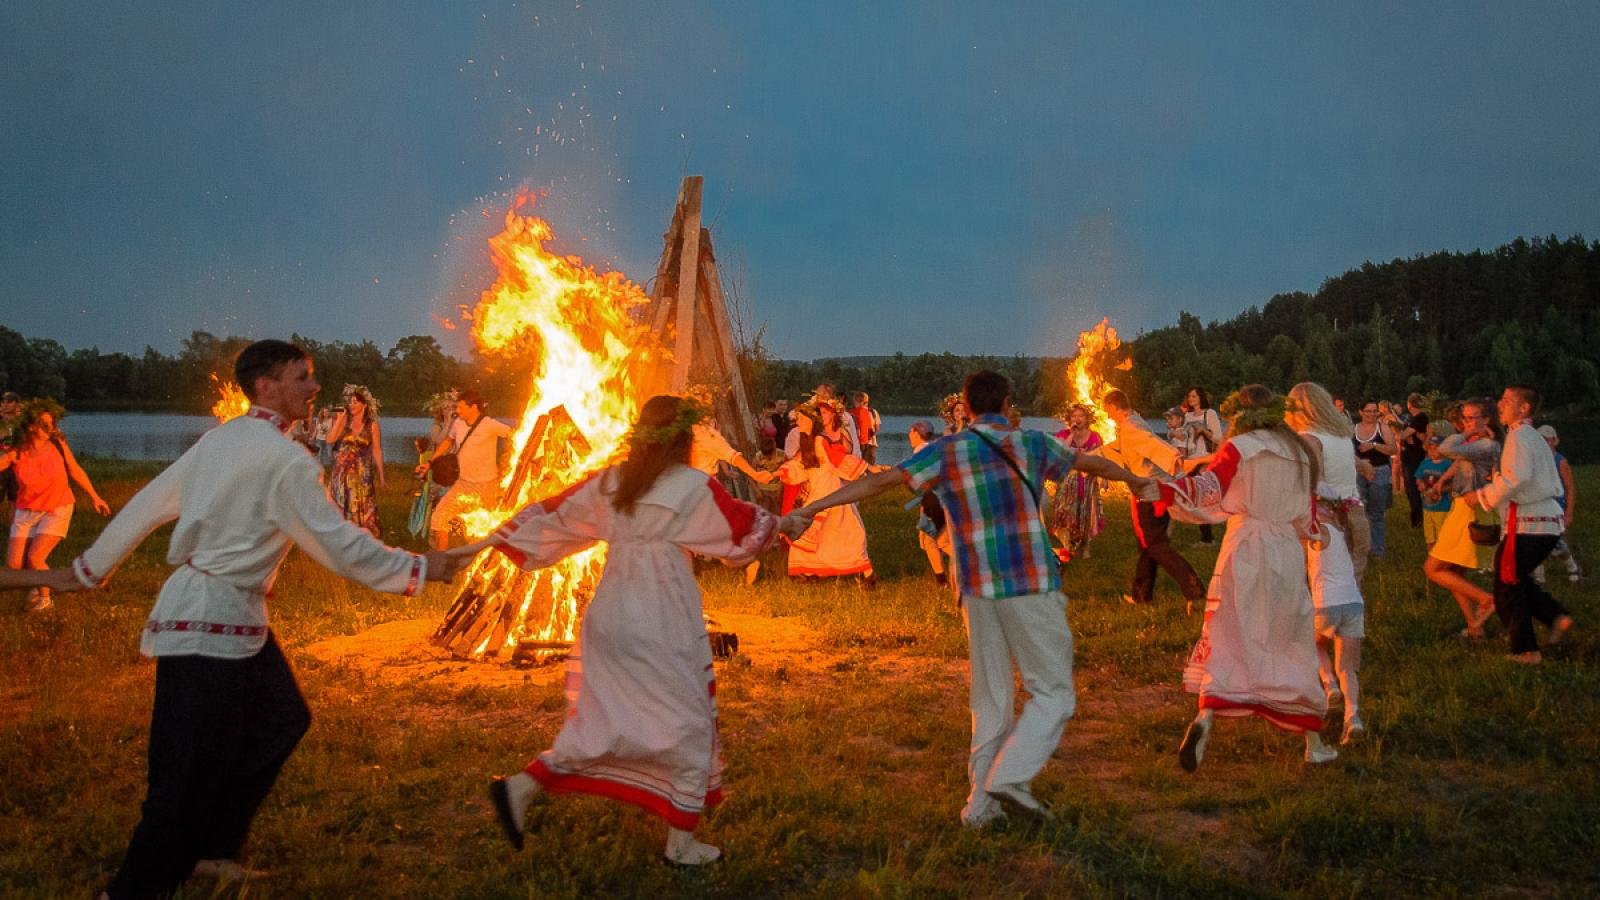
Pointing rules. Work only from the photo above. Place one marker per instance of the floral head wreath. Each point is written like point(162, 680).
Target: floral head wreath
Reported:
point(1241, 420)
point(440, 402)
point(947, 407)
point(360, 390)
point(689, 415)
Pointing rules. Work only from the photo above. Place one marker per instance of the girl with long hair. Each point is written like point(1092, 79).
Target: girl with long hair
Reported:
point(358, 463)
point(1335, 593)
point(1203, 433)
point(1257, 650)
point(641, 723)
point(1474, 451)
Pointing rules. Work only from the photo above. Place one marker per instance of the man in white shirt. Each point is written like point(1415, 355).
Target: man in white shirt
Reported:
point(475, 439)
point(1141, 452)
point(1524, 491)
point(228, 712)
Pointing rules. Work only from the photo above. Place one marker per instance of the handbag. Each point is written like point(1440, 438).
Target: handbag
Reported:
point(1484, 534)
point(446, 469)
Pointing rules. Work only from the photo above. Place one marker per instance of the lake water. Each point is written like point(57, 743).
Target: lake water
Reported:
point(162, 436)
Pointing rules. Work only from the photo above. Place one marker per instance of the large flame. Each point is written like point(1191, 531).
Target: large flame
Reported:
point(1086, 381)
point(575, 331)
point(232, 403)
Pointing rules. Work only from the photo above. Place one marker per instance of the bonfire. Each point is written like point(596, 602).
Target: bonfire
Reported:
point(231, 402)
point(1086, 381)
point(577, 332)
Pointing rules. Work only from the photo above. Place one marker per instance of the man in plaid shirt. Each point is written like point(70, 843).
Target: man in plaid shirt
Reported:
point(989, 479)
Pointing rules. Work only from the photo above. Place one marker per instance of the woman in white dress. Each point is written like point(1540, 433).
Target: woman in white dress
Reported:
point(641, 722)
point(1340, 609)
point(1257, 652)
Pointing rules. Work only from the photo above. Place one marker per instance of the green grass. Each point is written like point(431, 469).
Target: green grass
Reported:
point(846, 777)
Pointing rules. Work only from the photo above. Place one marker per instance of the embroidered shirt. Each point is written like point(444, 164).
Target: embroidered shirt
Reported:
point(1001, 549)
point(242, 495)
point(1528, 478)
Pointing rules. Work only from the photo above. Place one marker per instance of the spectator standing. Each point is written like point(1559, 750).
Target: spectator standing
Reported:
point(1412, 437)
point(1524, 491)
point(867, 422)
point(1375, 449)
point(1428, 476)
point(319, 437)
point(475, 438)
point(1203, 435)
point(933, 532)
point(45, 470)
point(358, 465)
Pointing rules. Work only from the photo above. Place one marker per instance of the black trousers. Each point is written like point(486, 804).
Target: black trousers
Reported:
point(1520, 603)
point(220, 731)
point(1413, 492)
point(1156, 550)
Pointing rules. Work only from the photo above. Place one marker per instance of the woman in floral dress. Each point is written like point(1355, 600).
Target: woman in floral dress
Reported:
point(358, 462)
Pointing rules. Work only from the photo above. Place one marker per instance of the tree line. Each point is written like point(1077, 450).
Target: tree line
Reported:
point(402, 378)
point(1460, 324)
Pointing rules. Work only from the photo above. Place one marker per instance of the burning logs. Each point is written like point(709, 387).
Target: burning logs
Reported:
point(500, 607)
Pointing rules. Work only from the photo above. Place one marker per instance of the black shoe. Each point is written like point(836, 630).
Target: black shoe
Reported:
point(501, 798)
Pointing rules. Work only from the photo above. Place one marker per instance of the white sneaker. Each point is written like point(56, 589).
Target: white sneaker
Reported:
point(684, 850)
point(1321, 755)
point(38, 601)
point(752, 572)
point(1018, 801)
point(1354, 731)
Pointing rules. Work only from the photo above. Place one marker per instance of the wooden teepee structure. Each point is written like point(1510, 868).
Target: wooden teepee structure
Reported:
point(689, 315)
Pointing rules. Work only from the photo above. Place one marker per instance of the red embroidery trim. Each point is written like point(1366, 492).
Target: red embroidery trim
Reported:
point(741, 516)
point(206, 628)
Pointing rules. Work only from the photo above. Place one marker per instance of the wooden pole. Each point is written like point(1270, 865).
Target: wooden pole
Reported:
point(743, 426)
point(688, 281)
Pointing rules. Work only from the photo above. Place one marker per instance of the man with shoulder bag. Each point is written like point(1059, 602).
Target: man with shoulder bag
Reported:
point(468, 463)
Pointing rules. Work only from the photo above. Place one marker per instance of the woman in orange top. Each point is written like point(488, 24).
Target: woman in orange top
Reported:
point(42, 463)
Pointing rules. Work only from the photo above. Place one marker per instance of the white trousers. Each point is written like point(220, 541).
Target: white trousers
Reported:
point(1007, 749)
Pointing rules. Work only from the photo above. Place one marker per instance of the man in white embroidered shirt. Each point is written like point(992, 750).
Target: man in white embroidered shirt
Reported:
point(228, 712)
point(1524, 490)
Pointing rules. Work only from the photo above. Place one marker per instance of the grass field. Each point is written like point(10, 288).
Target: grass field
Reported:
point(846, 777)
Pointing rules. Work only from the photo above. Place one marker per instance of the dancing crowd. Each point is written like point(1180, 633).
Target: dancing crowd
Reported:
point(1298, 488)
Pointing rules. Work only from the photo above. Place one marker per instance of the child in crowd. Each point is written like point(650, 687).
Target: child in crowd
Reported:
point(1430, 474)
point(769, 459)
point(1176, 435)
point(933, 534)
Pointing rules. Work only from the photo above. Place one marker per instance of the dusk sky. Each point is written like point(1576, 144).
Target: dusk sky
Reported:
point(880, 177)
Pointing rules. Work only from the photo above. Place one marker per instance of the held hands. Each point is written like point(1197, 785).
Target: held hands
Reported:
point(1147, 490)
point(795, 524)
point(445, 565)
point(64, 581)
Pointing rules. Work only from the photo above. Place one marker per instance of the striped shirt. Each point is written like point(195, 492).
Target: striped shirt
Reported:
point(1001, 548)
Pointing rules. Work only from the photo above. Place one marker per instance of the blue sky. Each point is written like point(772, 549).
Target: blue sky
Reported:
point(880, 177)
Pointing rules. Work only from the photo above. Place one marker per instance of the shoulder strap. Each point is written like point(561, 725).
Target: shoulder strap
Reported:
point(1009, 461)
point(474, 427)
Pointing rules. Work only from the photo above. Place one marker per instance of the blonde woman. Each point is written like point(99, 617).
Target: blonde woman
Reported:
point(1335, 594)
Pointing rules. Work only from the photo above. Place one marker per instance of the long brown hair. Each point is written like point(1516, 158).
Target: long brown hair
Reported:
point(1260, 397)
point(658, 444)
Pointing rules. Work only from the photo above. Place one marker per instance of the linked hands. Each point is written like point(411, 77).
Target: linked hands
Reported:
point(445, 565)
point(795, 524)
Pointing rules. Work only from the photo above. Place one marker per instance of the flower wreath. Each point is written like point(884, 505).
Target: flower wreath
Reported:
point(947, 408)
point(353, 390)
point(689, 415)
point(1242, 420)
point(439, 402)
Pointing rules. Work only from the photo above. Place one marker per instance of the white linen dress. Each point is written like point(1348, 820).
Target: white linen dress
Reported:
point(641, 696)
point(1257, 652)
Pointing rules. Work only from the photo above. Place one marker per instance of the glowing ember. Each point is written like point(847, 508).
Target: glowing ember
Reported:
point(575, 330)
point(233, 402)
point(1086, 381)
